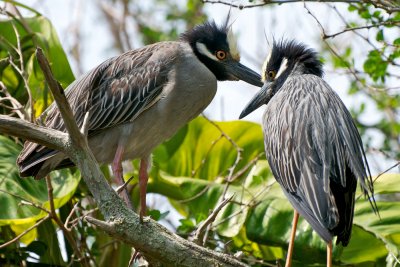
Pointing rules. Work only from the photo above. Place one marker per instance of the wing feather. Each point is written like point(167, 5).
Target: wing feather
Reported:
point(115, 92)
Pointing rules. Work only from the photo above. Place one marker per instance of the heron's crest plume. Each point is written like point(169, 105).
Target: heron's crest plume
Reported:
point(296, 53)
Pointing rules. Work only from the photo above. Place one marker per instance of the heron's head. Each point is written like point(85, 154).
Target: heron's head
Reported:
point(216, 47)
point(285, 59)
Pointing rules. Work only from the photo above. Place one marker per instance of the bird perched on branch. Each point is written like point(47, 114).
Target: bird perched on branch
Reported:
point(135, 101)
point(311, 142)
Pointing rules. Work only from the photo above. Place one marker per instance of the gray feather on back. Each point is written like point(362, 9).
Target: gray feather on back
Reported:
point(314, 148)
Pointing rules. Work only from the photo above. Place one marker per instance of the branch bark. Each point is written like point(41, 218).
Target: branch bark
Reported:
point(152, 240)
point(32, 132)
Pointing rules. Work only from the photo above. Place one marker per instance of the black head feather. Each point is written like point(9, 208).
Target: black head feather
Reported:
point(208, 33)
point(297, 54)
point(214, 38)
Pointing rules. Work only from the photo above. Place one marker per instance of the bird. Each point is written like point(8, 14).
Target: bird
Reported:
point(311, 142)
point(133, 102)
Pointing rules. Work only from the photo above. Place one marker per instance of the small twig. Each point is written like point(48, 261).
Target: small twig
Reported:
point(57, 220)
point(252, 202)
point(377, 3)
point(67, 221)
point(205, 237)
point(105, 226)
point(27, 203)
point(24, 201)
point(352, 29)
point(122, 187)
point(50, 195)
point(205, 189)
point(15, 105)
point(21, 69)
point(18, 237)
point(74, 221)
point(239, 151)
point(133, 257)
point(211, 218)
point(203, 161)
point(247, 167)
point(387, 170)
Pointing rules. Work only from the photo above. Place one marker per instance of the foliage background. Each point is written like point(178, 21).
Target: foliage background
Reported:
point(206, 162)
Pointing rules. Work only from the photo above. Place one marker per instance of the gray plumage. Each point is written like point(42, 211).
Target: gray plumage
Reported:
point(139, 99)
point(312, 144)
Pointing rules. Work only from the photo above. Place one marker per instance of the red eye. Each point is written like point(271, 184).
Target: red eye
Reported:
point(220, 54)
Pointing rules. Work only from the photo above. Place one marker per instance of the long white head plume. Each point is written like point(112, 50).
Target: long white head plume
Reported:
point(232, 42)
point(264, 67)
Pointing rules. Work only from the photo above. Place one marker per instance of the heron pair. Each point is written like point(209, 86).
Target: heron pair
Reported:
point(139, 99)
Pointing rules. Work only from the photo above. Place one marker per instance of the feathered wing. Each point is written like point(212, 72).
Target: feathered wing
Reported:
point(316, 154)
point(115, 92)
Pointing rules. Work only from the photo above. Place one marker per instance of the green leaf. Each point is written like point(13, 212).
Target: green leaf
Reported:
point(379, 35)
point(352, 8)
point(375, 66)
point(39, 32)
point(199, 150)
point(14, 189)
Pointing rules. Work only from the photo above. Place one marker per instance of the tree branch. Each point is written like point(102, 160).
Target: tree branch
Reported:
point(389, 6)
point(32, 132)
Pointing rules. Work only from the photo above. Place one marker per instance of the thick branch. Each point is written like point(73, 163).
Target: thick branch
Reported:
point(32, 132)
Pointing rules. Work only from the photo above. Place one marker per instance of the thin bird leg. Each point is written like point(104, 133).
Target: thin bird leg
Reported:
point(117, 171)
point(292, 237)
point(143, 178)
point(329, 254)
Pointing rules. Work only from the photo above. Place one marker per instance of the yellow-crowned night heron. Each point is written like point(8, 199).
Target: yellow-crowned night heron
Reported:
point(137, 100)
point(311, 142)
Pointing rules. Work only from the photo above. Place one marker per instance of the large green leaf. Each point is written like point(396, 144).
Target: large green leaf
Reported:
point(14, 189)
point(202, 153)
point(196, 162)
point(37, 31)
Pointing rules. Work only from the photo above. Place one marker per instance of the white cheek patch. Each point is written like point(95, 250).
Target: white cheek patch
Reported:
point(232, 42)
point(264, 67)
point(204, 51)
point(282, 68)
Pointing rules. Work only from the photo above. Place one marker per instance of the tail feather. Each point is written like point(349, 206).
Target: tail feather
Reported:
point(38, 161)
point(345, 200)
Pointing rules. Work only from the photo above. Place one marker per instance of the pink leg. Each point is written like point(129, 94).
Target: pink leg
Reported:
point(117, 170)
point(143, 178)
point(292, 237)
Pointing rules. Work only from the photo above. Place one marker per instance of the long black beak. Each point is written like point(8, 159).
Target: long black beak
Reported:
point(241, 72)
point(262, 97)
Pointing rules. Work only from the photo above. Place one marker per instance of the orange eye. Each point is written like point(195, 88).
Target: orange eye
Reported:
point(220, 54)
